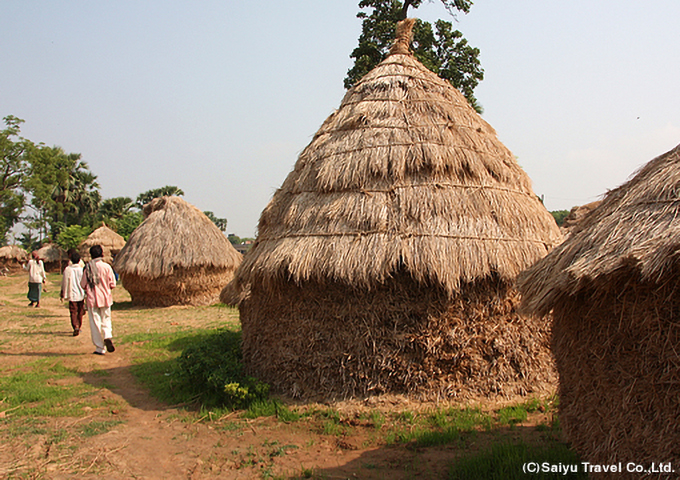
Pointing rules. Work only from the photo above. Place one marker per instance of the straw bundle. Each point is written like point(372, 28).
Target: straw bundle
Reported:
point(12, 257)
point(613, 290)
point(110, 241)
point(177, 256)
point(403, 204)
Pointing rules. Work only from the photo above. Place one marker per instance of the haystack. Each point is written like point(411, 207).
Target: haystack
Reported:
point(177, 256)
point(110, 241)
point(12, 257)
point(385, 261)
point(613, 288)
point(53, 256)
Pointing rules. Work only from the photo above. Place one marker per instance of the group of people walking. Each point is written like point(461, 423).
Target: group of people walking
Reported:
point(84, 285)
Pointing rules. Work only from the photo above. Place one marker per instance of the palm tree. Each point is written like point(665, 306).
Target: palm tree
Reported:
point(116, 207)
point(167, 191)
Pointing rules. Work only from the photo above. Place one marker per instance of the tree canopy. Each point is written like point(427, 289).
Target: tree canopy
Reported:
point(56, 196)
point(167, 191)
point(441, 49)
point(13, 167)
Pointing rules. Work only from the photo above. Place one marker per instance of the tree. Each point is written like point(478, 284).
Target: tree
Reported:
point(168, 190)
point(442, 50)
point(63, 190)
point(115, 208)
point(84, 194)
point(559, 216)
point(13, 167)
point(46, 182)
point(221, 223)
point(72, 236)
point(127, 224)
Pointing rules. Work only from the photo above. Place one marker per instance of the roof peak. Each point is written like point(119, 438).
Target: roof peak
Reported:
point(402, 42)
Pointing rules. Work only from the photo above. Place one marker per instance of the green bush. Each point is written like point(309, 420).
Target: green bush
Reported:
point(212, 367)
point(72, 236)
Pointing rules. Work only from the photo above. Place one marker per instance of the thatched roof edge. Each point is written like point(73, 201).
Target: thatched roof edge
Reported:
point(634, 233)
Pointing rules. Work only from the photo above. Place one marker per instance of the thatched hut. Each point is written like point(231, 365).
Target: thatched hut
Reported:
point(110, 241)
point(53, 256)
point(613, 288)
point(385, 261)
point(177, 256)
point(576, 216)
point(12, 257)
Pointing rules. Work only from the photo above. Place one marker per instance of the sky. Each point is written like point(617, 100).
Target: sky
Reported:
point(219, 97)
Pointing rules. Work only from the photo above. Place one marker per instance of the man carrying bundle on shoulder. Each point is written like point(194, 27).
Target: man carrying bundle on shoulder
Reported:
point(98, 281)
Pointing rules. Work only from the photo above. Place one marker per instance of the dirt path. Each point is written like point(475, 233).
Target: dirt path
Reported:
point(142, 438)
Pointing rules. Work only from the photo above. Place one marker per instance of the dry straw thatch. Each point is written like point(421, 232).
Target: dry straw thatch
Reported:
point(177, 256)
point(383, 263)
point(110, 241)
point(53, 256)
point(613, 290)
point(12, 257)
point(576, 216)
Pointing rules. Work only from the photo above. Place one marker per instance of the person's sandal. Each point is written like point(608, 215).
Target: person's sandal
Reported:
point(109, 345)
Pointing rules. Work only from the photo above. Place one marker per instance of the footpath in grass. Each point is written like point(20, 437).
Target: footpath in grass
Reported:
point(174, 399)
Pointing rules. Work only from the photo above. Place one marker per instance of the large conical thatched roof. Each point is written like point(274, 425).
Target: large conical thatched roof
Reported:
point(385, 262)
point(404, 175)
point(111, 243)
point(633, 233)
point(174, 235)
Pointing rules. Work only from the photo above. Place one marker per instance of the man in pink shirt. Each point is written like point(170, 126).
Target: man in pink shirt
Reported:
point(98, 280)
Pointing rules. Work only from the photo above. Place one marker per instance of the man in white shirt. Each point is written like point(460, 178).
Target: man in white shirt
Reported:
point(73, 292)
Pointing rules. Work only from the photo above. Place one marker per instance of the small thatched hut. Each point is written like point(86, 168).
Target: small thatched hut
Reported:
point(576, 215)
point(12, 257)
point(385, 261)
point(110, 241)
point(177, 256)
point(53, 256)
point(614, 289)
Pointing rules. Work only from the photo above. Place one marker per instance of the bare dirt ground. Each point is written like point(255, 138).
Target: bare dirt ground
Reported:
point(142, 438)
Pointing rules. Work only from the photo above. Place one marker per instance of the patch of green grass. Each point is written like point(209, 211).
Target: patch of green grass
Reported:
point(271, 408)
point(512, 415)
point(504, 461)
point(42, 388)
point(331, 422)
point(406, 417)
point(377, 418)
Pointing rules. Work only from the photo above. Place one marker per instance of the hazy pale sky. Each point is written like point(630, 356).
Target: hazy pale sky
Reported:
point(220, 97)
